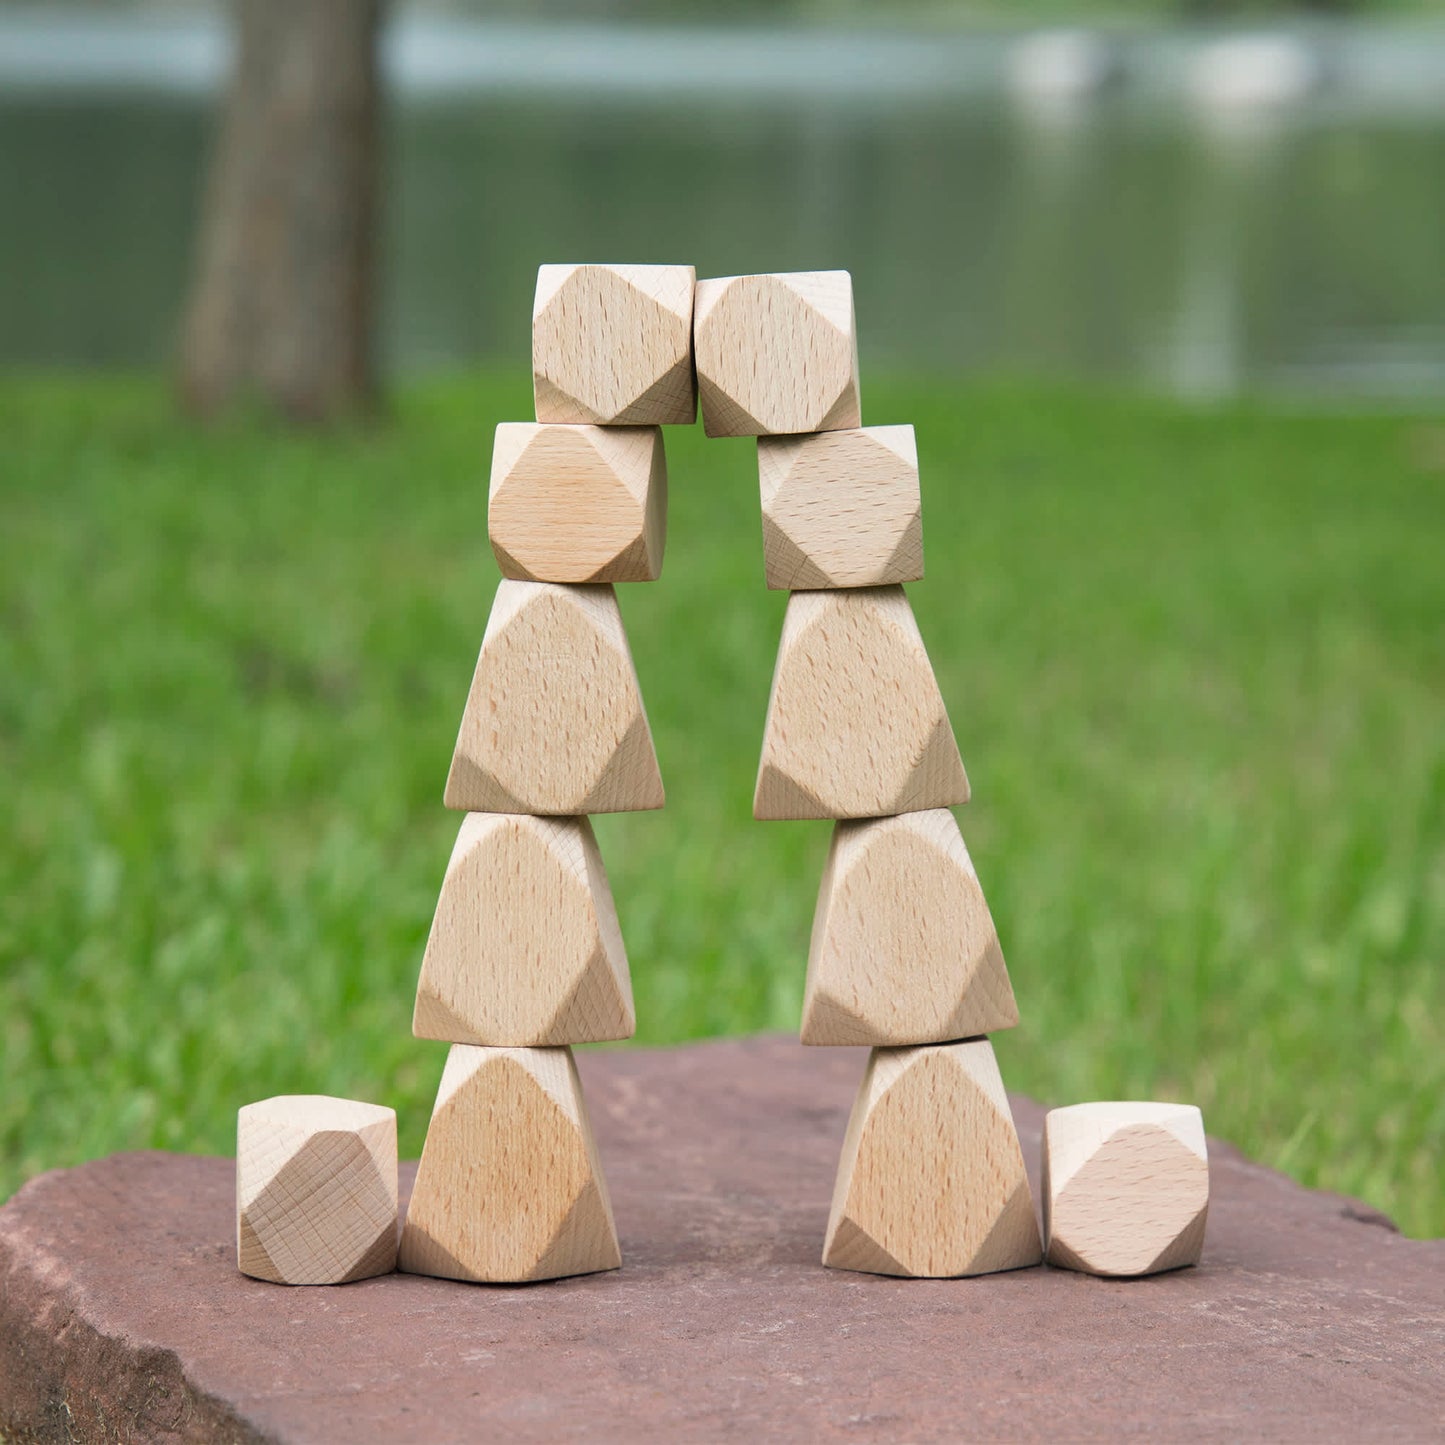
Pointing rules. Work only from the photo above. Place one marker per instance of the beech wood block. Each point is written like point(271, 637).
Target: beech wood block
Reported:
point(1126, 1187)
point(554, 721)
point(509, 1188)
point(613, 345)
point(315, 1190)
point(856, 724)
point(578, 503)
point(932, 1179)
point(841, 508)
point(904, 948)
point(776, 353)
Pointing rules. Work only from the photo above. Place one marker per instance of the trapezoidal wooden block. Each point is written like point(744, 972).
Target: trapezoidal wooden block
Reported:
point(932, 1180)
point(509, 1188)
point(554, 721)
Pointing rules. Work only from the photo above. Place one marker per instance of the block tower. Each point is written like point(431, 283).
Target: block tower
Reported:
point(525, 956)
point(904, 956)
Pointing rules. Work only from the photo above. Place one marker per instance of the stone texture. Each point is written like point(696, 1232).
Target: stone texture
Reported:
point(122, 1314)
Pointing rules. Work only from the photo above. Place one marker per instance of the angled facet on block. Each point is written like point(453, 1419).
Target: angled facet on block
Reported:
point(509, 1188)
point(776, 353)
point(315, 1190)
point(613, 345)
point(856, 724)
point(904, 948)
point(525, 949)
point(932, 1180)
point(554, 721)
point(841, 508)
point(1126, 1187)
point(578, 503)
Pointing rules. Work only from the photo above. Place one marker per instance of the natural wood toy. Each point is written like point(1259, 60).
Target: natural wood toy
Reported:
point(1126, 1187)
point(776, 353)
point(932, 1179)
point(841, 508)
point(856, 725)
point(509, 1187)
point(613, 345)
point(554, 721)
point(315, 1190)
point(904, 949)
point(578, 503)
point(524, 947)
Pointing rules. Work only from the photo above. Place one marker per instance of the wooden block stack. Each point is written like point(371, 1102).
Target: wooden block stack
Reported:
point(525, 956)
point(904, 955)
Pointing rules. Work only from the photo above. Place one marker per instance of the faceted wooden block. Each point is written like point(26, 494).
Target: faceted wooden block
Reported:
point(932, 1179)
point(1126, 1187)
point(315, 1190)
point(613, 345)
point(904, 949)
point(509, 1187)
point(578, 503)
point(856, 725)
point(524, 947)
point(841, 508)
point(554, 721)
point(776, 353)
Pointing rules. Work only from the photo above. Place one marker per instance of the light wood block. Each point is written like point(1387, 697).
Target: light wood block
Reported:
point(578, 503)
point(613, 345)
point(904, 948)
point(776, 353)
point(315, 1190)
point(524, 947)
point(509, 1188)
point(554, 721)
point(1126, 1187)
point(932, 1179)
point(841, 508)
point(856, 725)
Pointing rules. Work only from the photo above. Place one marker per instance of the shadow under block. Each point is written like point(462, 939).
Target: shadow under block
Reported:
point(904, 948)
point(509, 1188)
point(525, 949)
point(776, 354)
point(578, 503)
point(932, 1181)
point(1126, 1187)
point(315, 1190)
point(856, 724)
point(841, 508)
point(613, 345)
point(554, 721)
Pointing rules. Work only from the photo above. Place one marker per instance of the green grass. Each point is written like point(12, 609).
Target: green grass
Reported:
point(1195, 661)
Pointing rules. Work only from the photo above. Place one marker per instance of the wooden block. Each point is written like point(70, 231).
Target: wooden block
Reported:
point(856, 725)
point(509, 1188)
point(613, 345)
point(776, 353)
point(1126, 1187)
point(554, 721)
point(578, 503)
point(841, 508)
point(932, 1179)
point(524, 947)
point(904, 949)
point(315, 1190)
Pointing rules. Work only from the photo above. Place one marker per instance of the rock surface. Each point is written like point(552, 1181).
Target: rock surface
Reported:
point(122, 1316)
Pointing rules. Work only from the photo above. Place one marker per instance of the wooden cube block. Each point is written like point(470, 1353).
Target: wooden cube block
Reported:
point(1126, 1187)
point(578, 503)
point(613, 345)
point(776, 353)
point(841, 508)
point(315, 1190)
point(904, 949)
